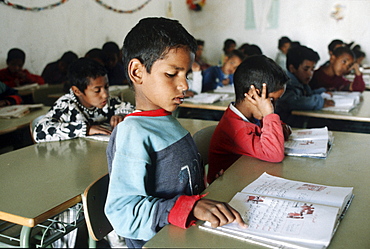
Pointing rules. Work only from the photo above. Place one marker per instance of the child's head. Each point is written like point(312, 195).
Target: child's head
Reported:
point(89, 82)
point(199, 52)
point(112, 51)
point(284, 44)
point(157, 55)
point(229, 45)
point(15, 59)
point(98, 55)
point(232, 61)
point(256, 70)
point(252, 49)
point(341, 60)
point(301, 62)
point(66, 60)
point(336, 43)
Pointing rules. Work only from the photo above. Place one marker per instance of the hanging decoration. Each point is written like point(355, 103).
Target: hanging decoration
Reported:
point(196, 5)
point(122, 11)
point(338, 12)
point(21, 7)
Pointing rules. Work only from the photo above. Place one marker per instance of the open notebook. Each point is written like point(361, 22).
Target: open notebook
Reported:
point(344, 101)
point(283, 213)
point(17, 111)
point(207, 98)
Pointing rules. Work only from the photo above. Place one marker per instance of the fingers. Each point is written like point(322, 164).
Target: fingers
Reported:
point(217, 213)
point(264, 91)
point(115, 120)
point(97, 129)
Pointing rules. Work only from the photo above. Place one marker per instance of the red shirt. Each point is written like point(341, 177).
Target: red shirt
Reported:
point(234, 137)
point(335, 83)
point(10, 78)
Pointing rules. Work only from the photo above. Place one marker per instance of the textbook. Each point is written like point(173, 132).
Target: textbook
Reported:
point(17, 111)
point(344, 101)
point(314, 142)
point(284, 213)
point(207, 98)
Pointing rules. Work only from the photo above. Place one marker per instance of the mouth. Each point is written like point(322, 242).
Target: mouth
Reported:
point(178, 100)
point(103, 103)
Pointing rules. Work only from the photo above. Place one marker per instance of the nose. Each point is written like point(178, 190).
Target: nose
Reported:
point(105, 93)
point(183, 85)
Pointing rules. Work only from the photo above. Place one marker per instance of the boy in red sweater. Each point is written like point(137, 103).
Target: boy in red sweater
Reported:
point(249, 126)
point(14, 75)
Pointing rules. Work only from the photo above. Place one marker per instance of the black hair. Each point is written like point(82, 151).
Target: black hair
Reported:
point(200, 42)
point(82, 70)
point(15, 53)
point(334, 43)
point(152, 38)
point(256, 70)
point(359, 53)
point(97, 54)
point(236, 53)
point(343, 50)
point(69, 57)
point(283, 40)
point(298, 54)
point(227, 44)
point(252, 49)
point(111, 47)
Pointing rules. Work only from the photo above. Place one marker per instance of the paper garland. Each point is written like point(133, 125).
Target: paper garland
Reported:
point(21, 7)
point(122, 11)
point(50, 6)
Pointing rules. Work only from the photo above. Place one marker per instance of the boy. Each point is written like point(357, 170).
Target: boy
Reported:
point(155, 171)
point(331, 76)
point(14, 75)
point(217, 76)
point(283, 46)
point(301, 62)
point(56, 72)
point(249, 126)
point(85, 109)
point(116, 71)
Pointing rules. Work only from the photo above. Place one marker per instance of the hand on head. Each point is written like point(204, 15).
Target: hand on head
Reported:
point(261, 101)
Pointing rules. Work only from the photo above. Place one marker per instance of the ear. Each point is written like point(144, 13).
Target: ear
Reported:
point(76, 91)
point(136, 71)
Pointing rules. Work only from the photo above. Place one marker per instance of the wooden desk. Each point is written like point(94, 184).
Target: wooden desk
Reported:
point(10, 125)
point(346, 165)
point(359, 114)
point(42, 180)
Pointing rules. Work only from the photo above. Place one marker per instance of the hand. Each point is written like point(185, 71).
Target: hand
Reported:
point(220, 173)
point(329, 93)
point(4, 103)
point(287, 130)
point(217, 213)
point(226, 81)
point(115, 120)
point(263, 103)
point(98, 129)
point(356, 68)
point(328, 102)
point(195, 67)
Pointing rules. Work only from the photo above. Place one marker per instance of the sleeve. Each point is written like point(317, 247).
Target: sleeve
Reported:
point(297, 101)
point(33, 78)
point(195, 84)
point(209, 79)
point(121, 107)
point(132, 211)
point(266, 145)
point(9, 94)
point(62, 122)
point(358, 84)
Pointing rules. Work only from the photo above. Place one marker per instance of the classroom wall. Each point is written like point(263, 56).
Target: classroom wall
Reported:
point(80, 25)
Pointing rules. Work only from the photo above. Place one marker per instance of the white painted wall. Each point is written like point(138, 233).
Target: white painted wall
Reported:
point(80, 25)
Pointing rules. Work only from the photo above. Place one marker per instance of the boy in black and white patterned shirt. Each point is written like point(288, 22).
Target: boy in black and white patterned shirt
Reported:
point(86, 110)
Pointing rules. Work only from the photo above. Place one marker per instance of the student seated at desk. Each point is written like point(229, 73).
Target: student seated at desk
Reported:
point(331, 76)
point(9, 96)
point(301, 62)
point(56, 72)
point(158, 178)
point(249, 126)
point(217, 76)
point(14, 75)
point(85, 109)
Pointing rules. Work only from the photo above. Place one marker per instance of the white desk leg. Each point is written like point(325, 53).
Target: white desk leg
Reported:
point(25, 237)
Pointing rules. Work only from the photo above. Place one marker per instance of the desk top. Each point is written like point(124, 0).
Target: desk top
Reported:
point(338, 169)
point(217, 106)
point(361, 113)
point(12, 124)
point(42, 180)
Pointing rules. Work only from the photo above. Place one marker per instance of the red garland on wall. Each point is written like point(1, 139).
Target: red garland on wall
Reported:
point(196, 5)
